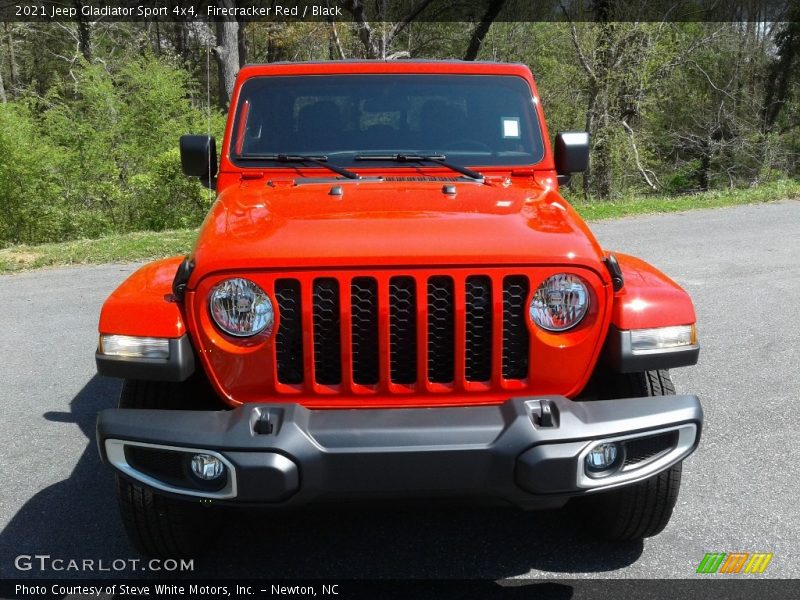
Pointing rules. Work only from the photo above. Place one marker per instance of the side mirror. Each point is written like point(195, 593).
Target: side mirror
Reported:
point(199, 157)
point(571, 154)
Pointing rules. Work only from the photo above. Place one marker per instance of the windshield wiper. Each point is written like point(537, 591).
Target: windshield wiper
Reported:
point(321, 160)
point(440, 159)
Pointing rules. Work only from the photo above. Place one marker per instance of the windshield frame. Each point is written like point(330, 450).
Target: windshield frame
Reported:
point(347, 159)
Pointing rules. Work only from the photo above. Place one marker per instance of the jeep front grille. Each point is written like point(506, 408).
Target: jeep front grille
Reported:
point(402, 332)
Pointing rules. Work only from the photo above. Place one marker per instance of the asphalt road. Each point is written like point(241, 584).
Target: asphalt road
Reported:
point(739, 492)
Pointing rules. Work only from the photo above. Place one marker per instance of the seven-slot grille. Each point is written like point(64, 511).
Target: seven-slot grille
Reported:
point(438, 329)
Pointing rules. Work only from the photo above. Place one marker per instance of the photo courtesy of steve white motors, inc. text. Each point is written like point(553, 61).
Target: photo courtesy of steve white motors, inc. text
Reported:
point(171, 590)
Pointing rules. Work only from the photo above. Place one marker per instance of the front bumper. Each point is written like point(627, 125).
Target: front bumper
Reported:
point(527, 451)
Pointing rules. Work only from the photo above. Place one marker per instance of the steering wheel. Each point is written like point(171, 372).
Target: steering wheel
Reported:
point(462, 143)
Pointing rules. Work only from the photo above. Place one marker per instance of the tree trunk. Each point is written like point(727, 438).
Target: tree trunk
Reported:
point(158, 39)
point(703, 179)
point(599, 115)
point(241, 37)
point(476, 41)
point(363, 29)
point(587, 176)
point(227, 53)
point(3, 98)
point(781, 73)
point(12, 61)
point(181, 36)
point(84, 35)
point(601, 166)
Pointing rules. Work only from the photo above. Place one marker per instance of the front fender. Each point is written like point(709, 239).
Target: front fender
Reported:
point(649, 298)
point(143, 304)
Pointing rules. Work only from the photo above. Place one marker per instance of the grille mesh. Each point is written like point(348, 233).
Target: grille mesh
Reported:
point(643, 449)
point(403, 330)
point(478, 346)
point(364, 311)
point(515, 330)
point(167, 465)
point(440, 330)
point(289, 339)
point(327, 335)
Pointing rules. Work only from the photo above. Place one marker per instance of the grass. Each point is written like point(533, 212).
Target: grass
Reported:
point(127, 247)
point(144, 246)
point(785, 189)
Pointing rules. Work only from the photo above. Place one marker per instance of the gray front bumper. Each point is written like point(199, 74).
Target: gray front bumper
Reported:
point(493, 453)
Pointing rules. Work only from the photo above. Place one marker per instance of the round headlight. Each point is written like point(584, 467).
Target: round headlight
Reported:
point(239, 307)
point(560, 302)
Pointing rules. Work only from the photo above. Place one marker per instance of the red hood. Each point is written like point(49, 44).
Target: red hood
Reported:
point(390, 223)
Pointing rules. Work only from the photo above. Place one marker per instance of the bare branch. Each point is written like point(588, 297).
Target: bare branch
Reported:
point(710, 82)
point(639, 166)
point(581, 56)
point(403, 23)
point(365, 33)
point(336, 41)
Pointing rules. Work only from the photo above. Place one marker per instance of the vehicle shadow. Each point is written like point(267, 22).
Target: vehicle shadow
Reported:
point(77, 519)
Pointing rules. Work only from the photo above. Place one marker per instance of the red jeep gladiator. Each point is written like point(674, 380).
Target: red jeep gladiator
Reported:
point(389, 300)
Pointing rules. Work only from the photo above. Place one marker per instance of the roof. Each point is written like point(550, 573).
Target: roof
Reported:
point(386, 66)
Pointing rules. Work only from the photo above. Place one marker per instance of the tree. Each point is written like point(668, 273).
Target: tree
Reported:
point(84, 34)
point(377, 39)
point(782, 71)
point(476, 40)
point(226, 52)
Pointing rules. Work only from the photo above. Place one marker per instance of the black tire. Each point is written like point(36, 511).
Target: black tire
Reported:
point(160, 526)
point(642, 509)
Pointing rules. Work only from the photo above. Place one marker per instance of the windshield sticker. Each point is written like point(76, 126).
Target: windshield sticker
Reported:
point(511, 127)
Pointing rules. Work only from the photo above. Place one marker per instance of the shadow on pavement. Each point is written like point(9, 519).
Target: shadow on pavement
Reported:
point(77, 519)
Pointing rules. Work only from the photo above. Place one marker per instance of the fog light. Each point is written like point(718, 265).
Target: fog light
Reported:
point(207, 467)
point(602, 457)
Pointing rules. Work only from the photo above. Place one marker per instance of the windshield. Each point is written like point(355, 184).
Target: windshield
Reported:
point(469, 119)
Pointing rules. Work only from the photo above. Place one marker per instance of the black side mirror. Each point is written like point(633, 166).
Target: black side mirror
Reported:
point(199, 157)
point(571, 153)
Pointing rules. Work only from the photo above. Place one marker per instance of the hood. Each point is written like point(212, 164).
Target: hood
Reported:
point(399, 222)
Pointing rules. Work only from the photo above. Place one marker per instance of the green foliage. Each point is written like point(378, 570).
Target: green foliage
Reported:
point(31, 207)
point(102, 156)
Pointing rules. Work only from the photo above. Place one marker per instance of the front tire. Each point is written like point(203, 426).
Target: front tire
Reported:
point(161, 526)
point(642, 509)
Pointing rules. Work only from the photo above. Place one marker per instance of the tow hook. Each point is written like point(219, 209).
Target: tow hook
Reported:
point(545, 415)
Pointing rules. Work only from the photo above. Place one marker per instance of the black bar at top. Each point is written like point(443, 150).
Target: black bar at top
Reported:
point(395, 11)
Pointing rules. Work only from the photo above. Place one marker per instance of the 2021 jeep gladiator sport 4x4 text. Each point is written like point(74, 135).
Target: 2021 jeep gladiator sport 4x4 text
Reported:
point(389, 299)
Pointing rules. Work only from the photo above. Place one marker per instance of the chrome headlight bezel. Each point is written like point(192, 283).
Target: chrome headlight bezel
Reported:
point(240, 298)
point(560, 302)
